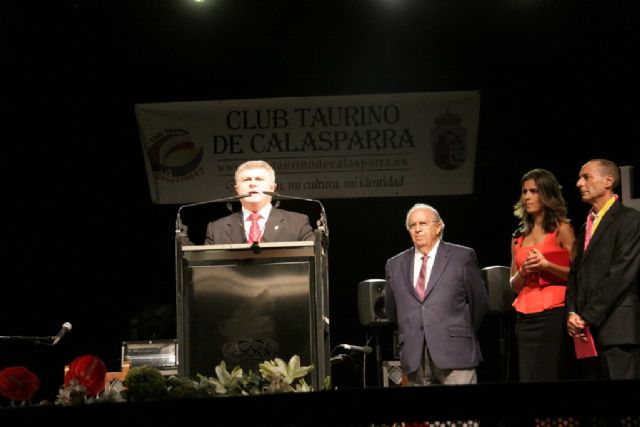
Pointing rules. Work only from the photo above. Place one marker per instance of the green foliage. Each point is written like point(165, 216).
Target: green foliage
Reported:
point(282, 377)
point(181, 387)
point(275, 376)
point(145, 383)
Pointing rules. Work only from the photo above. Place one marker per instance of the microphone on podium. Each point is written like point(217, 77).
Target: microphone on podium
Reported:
point(322, 222)
point(366, 349)
point(179, 225)
point(338, 358)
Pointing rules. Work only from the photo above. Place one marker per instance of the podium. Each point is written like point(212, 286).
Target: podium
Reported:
point(246, 304)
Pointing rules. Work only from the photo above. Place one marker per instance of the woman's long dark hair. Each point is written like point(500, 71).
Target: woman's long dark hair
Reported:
point(550, 191)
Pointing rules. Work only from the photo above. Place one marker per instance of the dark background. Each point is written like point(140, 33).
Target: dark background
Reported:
point(83, 243)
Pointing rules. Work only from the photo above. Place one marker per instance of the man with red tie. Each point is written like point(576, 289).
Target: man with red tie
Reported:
point(259, 220)
point(435, 295)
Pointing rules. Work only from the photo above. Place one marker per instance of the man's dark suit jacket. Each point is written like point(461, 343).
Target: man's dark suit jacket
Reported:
point(281, 226)
point(603, 281)
point(450, 315)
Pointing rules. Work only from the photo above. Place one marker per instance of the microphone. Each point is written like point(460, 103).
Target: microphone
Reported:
point(337, 359)
point(322, 222)
point(284, 196)
point(66, 327)
point(366, 349)
point(179, 227)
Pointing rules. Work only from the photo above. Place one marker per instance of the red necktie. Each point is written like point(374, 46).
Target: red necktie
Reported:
point(254, 231)
point(422, 278)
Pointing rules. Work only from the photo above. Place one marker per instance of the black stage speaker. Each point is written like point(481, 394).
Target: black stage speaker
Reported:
point(371, 303)
point(496, 279)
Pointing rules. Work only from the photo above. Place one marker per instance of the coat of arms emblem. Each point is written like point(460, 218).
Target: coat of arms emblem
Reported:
point(449, 141)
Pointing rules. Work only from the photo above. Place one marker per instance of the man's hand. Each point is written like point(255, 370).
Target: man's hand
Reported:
point(576, 325)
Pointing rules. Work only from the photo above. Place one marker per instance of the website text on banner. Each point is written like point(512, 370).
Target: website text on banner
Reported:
point(405, 144)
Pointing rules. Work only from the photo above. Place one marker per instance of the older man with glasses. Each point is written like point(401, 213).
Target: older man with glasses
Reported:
point(435, 295)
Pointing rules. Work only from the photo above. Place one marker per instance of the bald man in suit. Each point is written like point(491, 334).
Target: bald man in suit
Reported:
point(602, 291)
point(276, 225)
point(437, 328)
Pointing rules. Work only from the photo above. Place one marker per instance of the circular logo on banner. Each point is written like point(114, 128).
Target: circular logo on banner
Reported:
point(173, 155)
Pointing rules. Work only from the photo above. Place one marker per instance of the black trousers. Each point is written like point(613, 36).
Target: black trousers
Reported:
point(619, 362)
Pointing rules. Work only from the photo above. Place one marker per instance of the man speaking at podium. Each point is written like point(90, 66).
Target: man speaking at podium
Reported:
point(259, 220)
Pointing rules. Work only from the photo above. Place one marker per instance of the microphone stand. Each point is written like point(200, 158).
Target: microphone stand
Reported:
point(322, 223)
point(33, 339)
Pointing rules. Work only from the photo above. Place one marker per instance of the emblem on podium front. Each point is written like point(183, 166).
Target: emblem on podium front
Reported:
point(250, 348)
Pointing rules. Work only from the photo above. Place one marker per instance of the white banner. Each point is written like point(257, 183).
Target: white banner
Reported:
point(405, 144)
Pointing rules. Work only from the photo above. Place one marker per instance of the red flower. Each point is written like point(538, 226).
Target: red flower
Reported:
point(18, 383)
point(88, 371)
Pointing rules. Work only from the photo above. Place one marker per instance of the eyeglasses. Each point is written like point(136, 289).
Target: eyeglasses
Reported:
point(421, 225)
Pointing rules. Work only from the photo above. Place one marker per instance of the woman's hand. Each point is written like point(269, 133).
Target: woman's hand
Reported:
point(535, 262)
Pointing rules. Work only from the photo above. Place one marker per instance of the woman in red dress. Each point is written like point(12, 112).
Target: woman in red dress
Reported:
point(540, 261)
